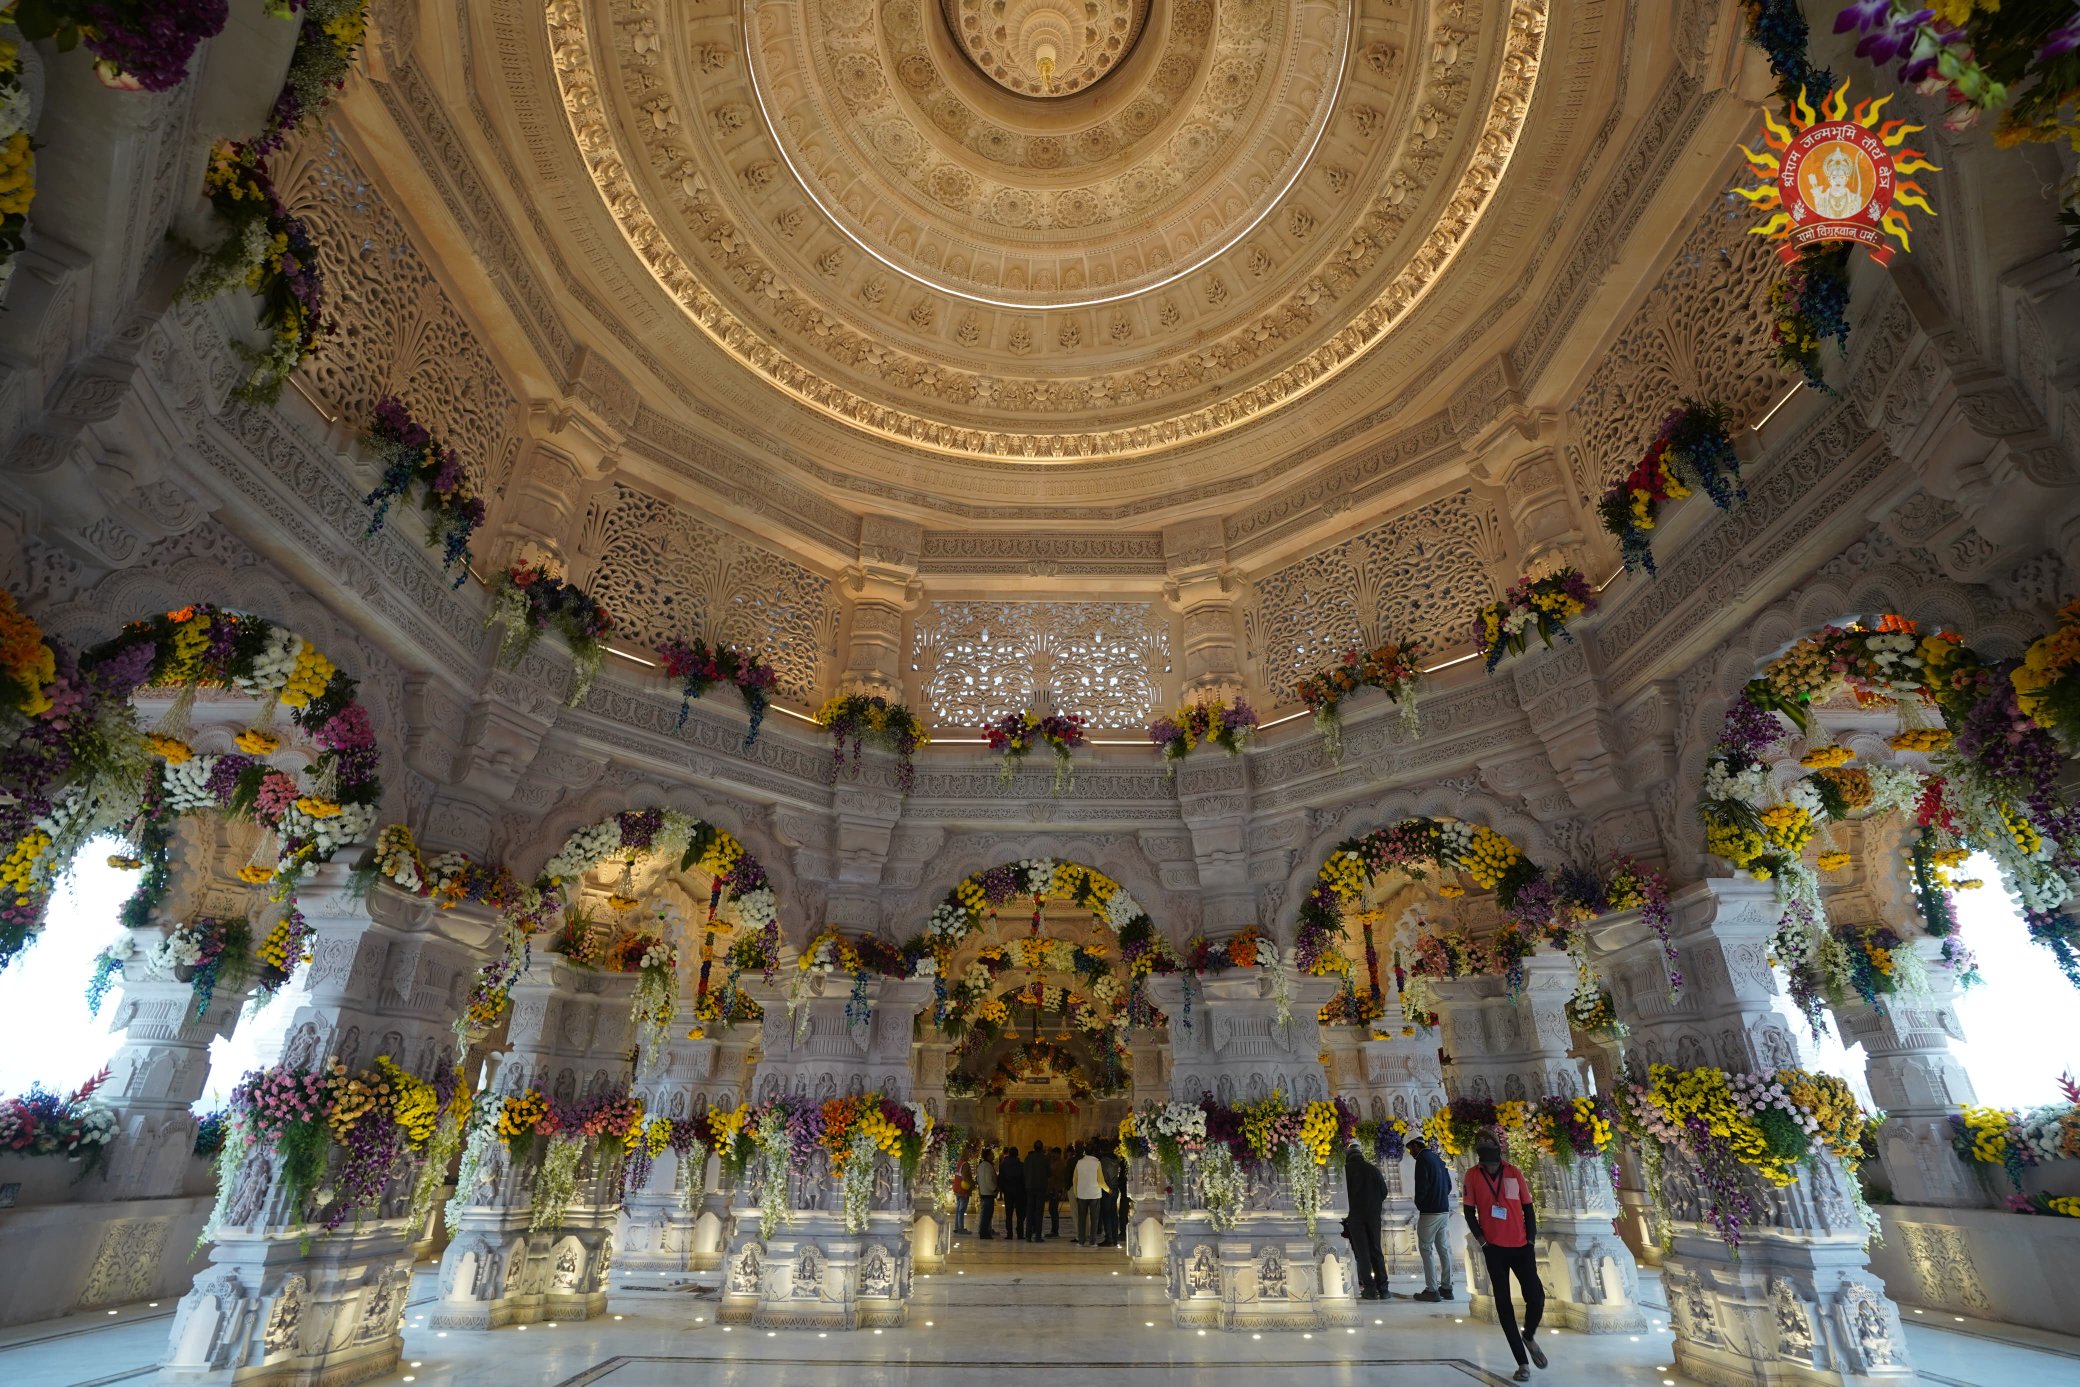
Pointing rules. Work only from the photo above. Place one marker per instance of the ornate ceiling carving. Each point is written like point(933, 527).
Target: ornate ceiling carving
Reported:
point(1243, 206)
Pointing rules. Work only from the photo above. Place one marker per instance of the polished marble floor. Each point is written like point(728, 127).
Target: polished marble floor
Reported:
point(1006, 1315)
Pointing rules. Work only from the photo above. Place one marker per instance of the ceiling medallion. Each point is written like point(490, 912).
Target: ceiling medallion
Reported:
point(1176, 241)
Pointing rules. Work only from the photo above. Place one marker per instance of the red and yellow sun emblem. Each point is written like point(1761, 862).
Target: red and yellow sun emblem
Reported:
point(1833, 176)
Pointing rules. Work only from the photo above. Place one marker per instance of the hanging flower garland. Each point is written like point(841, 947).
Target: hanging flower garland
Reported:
point(411, 457)
point(971, 1002)
point(1041, 878)
point(327, 40)
point(1224, 1143)
point(1542, 605)
point(2014, 1141)
point(1981, 56)
point(698, 666)
point(138, 45)
point(44, 1123)
point(268, 251)
point(1736, 1129)
point(1810, 305)
point(81, 764)
point(2047, 682)
point(858, 718)
point(1214, 721)
point(528, 600)
point(1690, 452)
point(1393, 668)
point(1015, 734)
point(207, 953)
point(1996, 789)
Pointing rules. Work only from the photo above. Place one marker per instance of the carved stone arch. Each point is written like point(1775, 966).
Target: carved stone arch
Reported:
point(1472, 805)
point(749, 825)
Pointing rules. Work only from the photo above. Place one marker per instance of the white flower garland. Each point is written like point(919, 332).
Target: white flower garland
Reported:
point(859, 1181)
point(1303, 1180)
point(555, 1184)
point(483, 1132)
point(1222, 1187)
point(180, 949)
point(187, 784)
point(693, 1177)
point(773, 1145)
point(273, 665)
point(1279, 969)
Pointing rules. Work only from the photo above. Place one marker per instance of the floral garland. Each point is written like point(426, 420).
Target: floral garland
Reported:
point(2047, 682)
point(44, 1123)
point(1385, 1138)
point(327, 41)
point(1690, 452)
point(788, 1131)
point(1042, 878)
point(1015, 734)
point(1978, 55)
point(1778, 28)
point(108, 966)
point(857, 718)
point(1808, 306)
point(208, 953)
point(655, 1004)
point(1393, 668)
point(81, 764)
point(528, 600)
point(1222, 1185)
point(17, 160)
point(1996, 788)
point(2012, 1141)
point(1880, 965)
point(698, 665)
point(1544, 605)
point(1212, 721)
point(634, 835)
point(138, 45)
point(411, 457)
point(266, 250)
point(1738, 1128)
point(1296, 1143)
point(970, 1002)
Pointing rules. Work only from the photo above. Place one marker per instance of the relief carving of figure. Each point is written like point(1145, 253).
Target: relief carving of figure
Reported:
point(1271, 1277)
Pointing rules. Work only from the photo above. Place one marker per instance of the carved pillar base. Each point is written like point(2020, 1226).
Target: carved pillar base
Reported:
point(813, 1274)
point(484, 1278)
point(266, 1312)
point(1148, 1236)
point(1267, 1272)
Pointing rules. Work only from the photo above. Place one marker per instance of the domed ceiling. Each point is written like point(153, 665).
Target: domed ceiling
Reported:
point(940, 253)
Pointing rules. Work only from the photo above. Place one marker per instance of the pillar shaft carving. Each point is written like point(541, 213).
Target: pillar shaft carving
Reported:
point(1799, 1304)
point(883, 591)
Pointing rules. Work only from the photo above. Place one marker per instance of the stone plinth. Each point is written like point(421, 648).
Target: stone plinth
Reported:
point(1799, 1304)
point(1514, 1045)
point(678, 1220)
point(1268, 1271)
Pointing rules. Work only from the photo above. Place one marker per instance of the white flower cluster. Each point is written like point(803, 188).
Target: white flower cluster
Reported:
point(1454, 841)
point(395, 859)
point(2042, 1131)
point(1183, 1123)
point(1039, 875)
point(1806, 796)
point(1122, 910)
point(187, 784)
point(1222, 1186)
point(1752, 786)
point(949, 920)
point(274, 664)
point(1755, 1094)
point(659, 955)
point(1892, 654)
point(976, 978)
point(583, 850)
point(1105, 990)
point(1893, 787)
point(754, 910)
point(328, 835)
point(180, 949)
point(823, 960)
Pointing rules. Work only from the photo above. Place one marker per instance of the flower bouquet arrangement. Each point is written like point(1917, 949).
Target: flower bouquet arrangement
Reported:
point(1015, 734)
point(528, 600)
point(1216, 721)
point(2025, 58)
point(326, 42)
point(655, 1004)
point(286, 946)
point(1571, 1128)
point(138, 45)
point(857, 718)
point(44, 1123)
point(698, 665)
point(2047, 682)
point(267, 250)
point(1040, 878)
point(207, 953)
point(1544, 605)
point(1692, 451)
point(1393, 668)
point(1877, 964)
point(411, 457)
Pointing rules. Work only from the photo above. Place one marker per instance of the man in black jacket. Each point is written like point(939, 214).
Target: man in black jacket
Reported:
point(1367, 1190)
point(1011, 1184)
point(1433, 1220)
point(1038, 1179)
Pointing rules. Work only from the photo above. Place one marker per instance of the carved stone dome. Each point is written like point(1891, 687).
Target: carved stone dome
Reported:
point(1045, 48)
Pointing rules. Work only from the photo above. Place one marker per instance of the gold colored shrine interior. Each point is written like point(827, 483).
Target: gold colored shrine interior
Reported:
point(729, 605)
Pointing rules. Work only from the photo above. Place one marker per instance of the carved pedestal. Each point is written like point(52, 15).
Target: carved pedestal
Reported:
point(1516, 1047)
point(1919, 1084)
point(808, 1270)
point(1799, 1304)
point(677, 1220)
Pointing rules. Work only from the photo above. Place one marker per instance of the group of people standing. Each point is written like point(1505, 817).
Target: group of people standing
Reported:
point(1499, 1214)
point(1034, 1186)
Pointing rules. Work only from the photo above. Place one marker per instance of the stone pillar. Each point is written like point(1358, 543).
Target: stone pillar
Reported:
point(1202, 589)
point(1148, 1193)
point(1400, 1076)
point(283, 1302)
point(1799, 1304)
point(1269, 1271)
point(1918, 1083)
point(673, 1222)
point(883, 589)
point(1534, 488)
point(1506, 1046)
point(570, 448)
point(568, 1035)
point(811, 1271)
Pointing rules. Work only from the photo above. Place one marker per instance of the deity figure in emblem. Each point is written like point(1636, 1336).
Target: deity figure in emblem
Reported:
point(1843, 195)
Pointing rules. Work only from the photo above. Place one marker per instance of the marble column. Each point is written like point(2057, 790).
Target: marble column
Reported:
point(1401, 1076)
point(1238, 1042)
point(676, 1220)
point(1148, 1192)
point(282, 1302)
point(568, 1035)
point(1918, 1083)
point(1799, 1303)
point(812, 1271)
point(1508, 1045)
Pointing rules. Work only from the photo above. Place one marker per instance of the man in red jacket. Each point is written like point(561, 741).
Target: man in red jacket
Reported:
point(1505, 1228)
